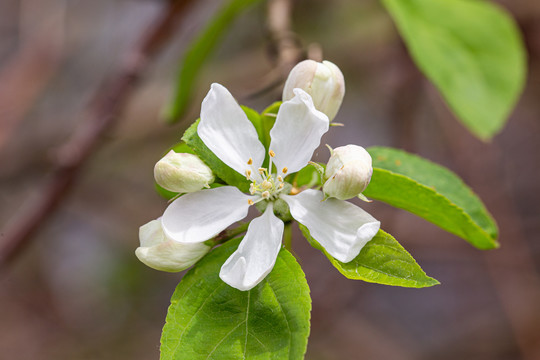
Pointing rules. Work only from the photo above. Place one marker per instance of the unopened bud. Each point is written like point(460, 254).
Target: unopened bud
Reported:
point(161, 253)
point(182, 173)
point(323, 81)
point(348, 172)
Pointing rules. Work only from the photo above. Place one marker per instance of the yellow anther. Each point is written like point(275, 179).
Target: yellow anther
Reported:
point(284, 170)
point(265, 195)
point(250, 161)
point(266, 185)
point(248, 174)
point(272, 153)
point(250, 202)
point(280, 179)
point(262, 170)
point(281, 185)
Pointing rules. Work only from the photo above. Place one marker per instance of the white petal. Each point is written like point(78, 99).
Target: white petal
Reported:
point(199, 216)
point(225, 129)
point(151, 233)
point(297, 132)
point(339, 226)
point(256, 254)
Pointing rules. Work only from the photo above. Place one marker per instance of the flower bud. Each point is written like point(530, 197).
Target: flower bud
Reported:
point(323, 81)
point(161, 253)
point(348, 172)
point(182, 173)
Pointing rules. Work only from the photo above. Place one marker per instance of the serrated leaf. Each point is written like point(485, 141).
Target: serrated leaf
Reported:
point(208, 319)
point(219, 168)
point(432, 192)
point(471, 50)
point(197, 53)
point(382, 260)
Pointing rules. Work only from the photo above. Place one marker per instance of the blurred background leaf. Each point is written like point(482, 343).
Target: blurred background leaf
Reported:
point(197, 53)
point(472, 51)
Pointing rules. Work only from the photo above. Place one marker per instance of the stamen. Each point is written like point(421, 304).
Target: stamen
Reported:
point(265, 195)
point(284, 170)
point(266, 185)
point(280, 179)
point(272, 153)
point(248, 174)
point(281, 185)
point(252, 189)
point(262, 170)
point(250, 202)
point(250, 161)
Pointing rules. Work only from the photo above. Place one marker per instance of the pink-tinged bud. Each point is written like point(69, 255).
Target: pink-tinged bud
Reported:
point(323, 81)
point(182, 173)
point(348, 172)
point(161, 253)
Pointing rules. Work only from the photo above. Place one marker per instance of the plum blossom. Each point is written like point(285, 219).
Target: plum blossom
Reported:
point(340, 227)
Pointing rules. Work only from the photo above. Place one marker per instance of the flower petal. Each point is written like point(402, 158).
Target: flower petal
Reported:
point(256, 254)
point(199, 216)
point(297, 132)
point(228, 133)
point(339, 226)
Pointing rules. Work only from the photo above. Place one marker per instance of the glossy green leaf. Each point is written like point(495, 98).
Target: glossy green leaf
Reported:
point(382, 260)
point(197, 53)
point(432, 192)
point(208, 319)
point(471, 50)
point(219, 168)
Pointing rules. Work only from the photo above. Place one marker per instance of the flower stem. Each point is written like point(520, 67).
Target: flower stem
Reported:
point(230, 234)
point(287, 237)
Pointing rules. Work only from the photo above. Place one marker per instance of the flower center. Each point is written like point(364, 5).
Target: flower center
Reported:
point(271, 184)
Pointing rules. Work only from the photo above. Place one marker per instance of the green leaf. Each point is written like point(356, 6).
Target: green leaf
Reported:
point(432, 192)
point(268, 119)
point(208, 319)
point(382, 260)
point(472, 51)
point(219, 168)
point(197, 53)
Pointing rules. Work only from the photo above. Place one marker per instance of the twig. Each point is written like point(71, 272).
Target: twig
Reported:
point(108, 102)
point(285, 46)
point(230, 234)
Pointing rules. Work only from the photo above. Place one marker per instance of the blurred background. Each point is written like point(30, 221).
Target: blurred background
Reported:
point(77, 290)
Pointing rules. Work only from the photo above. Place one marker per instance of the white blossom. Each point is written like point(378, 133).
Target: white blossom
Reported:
point(323, 81)
point(348, 172)
point(161, 253)
point(340, 227)
point(182, 173)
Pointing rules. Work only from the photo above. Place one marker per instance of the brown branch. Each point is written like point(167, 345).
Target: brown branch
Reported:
point(103, 110)
point(285, 47)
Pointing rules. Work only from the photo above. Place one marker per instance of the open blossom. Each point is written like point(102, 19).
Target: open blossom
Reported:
point(340, 227)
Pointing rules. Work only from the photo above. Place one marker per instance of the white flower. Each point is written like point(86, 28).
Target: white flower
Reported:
point(182, 173)
point(161, 253)
point(348, 172)
point(323, 81)
point(340, 227)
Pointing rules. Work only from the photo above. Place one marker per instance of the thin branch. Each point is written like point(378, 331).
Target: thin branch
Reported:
point(108, 101)
point(285, 46)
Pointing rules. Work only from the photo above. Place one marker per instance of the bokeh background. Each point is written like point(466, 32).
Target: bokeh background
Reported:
point(78, 292)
